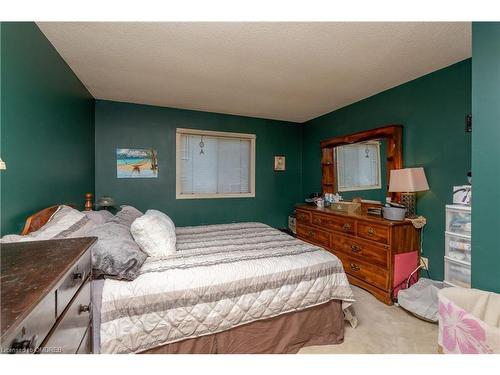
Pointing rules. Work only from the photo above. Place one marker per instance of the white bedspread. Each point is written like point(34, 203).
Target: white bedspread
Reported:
point(222, 276)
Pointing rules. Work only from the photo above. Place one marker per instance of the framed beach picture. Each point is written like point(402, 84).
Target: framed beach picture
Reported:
point(136, 163)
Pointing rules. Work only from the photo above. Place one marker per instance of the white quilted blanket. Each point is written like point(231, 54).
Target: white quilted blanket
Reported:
point(222, 276)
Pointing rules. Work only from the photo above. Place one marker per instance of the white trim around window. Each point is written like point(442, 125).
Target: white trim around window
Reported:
point(182, 133)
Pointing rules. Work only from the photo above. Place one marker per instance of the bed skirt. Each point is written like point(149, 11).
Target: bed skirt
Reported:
point(287, 333)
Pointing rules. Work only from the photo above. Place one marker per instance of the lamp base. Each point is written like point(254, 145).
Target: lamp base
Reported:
point(409, 200)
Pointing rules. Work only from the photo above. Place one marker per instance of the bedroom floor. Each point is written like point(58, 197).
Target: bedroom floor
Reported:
point(382, 329)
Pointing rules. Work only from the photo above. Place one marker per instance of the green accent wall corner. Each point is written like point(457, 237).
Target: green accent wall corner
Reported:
point(47, 127)
point(486, 156)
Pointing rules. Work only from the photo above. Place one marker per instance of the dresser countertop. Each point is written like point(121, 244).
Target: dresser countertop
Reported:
point(373, 219)
point(30, 270)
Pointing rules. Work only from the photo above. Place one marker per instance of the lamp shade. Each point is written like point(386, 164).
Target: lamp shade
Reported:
point(408, 180)
point(2, 165)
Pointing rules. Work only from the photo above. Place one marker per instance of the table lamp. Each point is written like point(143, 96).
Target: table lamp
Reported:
point(408, 181)
point(3, 166)
point(105, 202)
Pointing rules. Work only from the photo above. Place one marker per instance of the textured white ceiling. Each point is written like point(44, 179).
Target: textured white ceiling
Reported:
point(285, 71)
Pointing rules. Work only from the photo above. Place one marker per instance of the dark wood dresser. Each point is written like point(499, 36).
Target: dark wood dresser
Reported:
point(46, 296)
point(366, 245)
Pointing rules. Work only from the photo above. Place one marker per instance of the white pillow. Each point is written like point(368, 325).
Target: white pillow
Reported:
point(154, 232)
point(163, 217)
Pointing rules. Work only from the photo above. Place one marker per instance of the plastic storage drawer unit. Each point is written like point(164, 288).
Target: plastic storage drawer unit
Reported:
point(458, 219)
point(457, 272)
point(458, 247)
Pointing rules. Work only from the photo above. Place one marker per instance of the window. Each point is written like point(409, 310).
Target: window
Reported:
point(358, 166)
point(214, 164)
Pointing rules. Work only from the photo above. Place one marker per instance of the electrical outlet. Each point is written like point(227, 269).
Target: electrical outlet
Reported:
point(424, 262)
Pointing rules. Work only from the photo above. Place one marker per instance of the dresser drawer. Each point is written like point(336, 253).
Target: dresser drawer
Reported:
point(361, 250)
point(369, 273)
point(314, 235)
point(72, 281)
point(303, 217)
point(374, 232)
point(33, 329)
point(71, 328)
point(86, 344)
point(337, 223)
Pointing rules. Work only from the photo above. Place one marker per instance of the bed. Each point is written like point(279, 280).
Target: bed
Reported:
point(231, 288)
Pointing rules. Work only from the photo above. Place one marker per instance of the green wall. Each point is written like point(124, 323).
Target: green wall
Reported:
point(486, 156)
point(48, 120)
point(432, 110)
point(140, 126)
point(47, 127)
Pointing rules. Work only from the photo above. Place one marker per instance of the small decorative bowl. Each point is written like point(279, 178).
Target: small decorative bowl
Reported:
point(394, 213)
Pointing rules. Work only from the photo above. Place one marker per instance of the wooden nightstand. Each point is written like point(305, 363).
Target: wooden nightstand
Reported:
point(46, 299)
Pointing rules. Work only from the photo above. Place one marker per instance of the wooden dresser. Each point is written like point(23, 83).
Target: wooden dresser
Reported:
point(366, 245)
point(46, 299)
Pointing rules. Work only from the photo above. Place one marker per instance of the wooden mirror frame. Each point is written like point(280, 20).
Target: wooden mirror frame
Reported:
point(392, 133)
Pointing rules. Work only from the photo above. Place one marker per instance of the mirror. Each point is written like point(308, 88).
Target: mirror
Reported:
point(359, 164)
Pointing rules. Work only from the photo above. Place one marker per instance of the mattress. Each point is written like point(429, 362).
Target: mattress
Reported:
point(221, 277)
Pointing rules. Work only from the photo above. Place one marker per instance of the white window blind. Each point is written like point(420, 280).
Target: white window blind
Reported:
point(214, 164)
point(358, 166)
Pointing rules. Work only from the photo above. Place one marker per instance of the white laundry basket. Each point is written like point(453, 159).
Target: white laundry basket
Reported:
point(469, 321)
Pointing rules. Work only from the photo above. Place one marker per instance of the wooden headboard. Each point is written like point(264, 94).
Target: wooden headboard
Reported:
point(39, 219)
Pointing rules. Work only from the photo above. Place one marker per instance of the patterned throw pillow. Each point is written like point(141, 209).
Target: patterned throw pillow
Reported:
point(126, 215)
point(115, 254)
point(98, 217)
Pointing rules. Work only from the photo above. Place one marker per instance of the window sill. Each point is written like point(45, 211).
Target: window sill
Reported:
point(214, 196)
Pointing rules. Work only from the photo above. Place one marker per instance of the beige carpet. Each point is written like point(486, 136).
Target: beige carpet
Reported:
point(382, 329)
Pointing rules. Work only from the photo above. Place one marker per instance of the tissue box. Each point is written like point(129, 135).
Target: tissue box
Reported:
point(346, 207)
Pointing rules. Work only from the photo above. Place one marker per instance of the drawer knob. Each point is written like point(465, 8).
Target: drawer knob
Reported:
point(355, 248)
point(346, 227)
point(370, 231)
point(354, 266)
point(84, 308)
point(310, 233)
point(317, 220)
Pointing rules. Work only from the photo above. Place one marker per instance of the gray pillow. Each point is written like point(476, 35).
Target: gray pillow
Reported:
point(116, 254)
point(98, 217)
point(126, 215)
